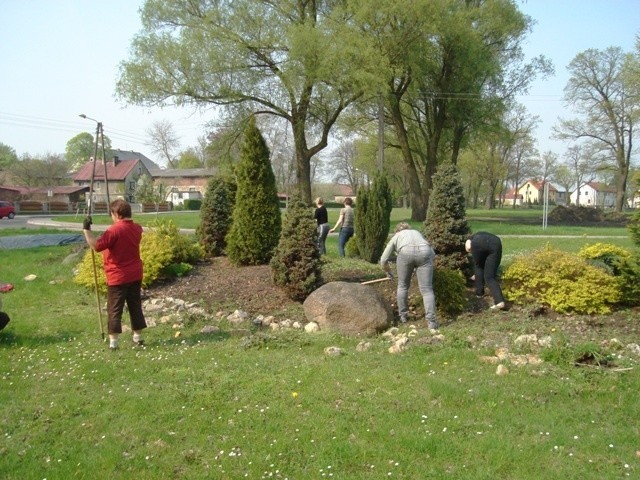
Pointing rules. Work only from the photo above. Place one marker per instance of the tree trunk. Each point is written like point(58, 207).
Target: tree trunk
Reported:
point(418, 209)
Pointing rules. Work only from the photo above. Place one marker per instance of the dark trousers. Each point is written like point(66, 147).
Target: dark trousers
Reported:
point(323, 231)
point(117, 296)
point(486, 250)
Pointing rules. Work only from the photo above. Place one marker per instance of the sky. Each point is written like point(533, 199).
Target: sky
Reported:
point(60, 58)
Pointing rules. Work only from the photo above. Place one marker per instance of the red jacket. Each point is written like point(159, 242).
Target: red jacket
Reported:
point(120, 247)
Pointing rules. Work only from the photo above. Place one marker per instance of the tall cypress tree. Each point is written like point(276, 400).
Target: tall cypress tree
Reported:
point(372, 220)
point(256, 217)
point(446, 226)
point(215, 216)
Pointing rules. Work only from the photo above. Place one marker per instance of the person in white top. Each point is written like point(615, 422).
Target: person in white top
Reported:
point(413, 254)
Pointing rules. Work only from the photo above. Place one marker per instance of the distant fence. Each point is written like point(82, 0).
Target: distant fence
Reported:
point(32, 207)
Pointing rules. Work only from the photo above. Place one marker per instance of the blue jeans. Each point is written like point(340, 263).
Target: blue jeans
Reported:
point(323, 231)
point(419, 259)
point(345, 234)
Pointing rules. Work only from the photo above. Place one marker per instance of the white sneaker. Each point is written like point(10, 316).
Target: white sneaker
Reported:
point(497, 306)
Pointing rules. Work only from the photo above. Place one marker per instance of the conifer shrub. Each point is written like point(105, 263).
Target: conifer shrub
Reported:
point(296, 263)
point(215, 217)
point(449, 287)
point(634, 227)
point(255, 230)
point(351, 248)
point(372, 219)
point(562, 281)
point(446, 227)
point(621, 263)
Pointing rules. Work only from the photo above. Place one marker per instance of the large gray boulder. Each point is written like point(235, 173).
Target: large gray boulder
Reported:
point(349, 308)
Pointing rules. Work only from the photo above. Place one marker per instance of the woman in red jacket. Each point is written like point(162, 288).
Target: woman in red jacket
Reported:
point(120, 247)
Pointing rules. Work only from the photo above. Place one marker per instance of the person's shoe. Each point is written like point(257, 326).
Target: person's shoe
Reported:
point(497, 306)
point(403, 320)
point(433, 327)
point(113, 346)
point(138, 341)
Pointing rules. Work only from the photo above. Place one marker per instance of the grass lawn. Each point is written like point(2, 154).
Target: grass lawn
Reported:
point(209, 406)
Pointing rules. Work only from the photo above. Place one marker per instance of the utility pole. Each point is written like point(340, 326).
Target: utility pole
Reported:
point(380, 133)
point(99, 136)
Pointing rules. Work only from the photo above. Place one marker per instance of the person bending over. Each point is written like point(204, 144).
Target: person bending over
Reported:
point(413, 254)
point(486, 252)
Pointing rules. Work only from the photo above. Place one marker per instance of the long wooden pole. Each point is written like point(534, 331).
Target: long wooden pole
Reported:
point(93, 254)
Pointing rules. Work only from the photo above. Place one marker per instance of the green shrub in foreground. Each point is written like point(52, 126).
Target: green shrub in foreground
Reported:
point(562, 281)
point(450, 290)
point(622, 264)
point(164, 252)
point(296, 264)
point(156, 252)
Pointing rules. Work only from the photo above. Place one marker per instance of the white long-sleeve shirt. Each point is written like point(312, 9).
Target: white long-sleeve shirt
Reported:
point(402, 239)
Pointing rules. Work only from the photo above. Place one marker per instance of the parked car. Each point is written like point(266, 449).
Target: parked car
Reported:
point(7, 210)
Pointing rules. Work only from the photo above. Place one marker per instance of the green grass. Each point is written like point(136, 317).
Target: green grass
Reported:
point(198, 406)
point(500, 222)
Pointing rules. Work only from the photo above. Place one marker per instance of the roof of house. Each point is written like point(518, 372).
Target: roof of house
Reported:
point(601, 187)
point(184, 172)
point(131, 155)
point(118, 171)
point(539, 185)
point(344, 190)
point(62, 190)
point(511, 194)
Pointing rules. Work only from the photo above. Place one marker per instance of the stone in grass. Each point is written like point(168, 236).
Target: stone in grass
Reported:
point(502, 371)
point(333, 351)
point(348, 308)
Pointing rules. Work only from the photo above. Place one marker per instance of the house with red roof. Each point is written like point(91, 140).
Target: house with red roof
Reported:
point(594, 194)
point(532, 192)
point(117, 177)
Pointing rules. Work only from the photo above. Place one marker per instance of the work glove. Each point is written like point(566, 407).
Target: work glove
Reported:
point(86, 223)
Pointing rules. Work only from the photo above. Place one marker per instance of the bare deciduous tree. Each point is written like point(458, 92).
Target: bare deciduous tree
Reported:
point(164, 141)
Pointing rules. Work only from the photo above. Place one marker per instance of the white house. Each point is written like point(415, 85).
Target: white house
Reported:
point(594, 194)
point(532, 191)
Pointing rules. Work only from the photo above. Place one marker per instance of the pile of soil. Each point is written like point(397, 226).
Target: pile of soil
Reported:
point(218, 285)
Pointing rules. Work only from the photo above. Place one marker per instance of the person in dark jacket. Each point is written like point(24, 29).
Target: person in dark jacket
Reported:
point(486, 251)
point(322, 218)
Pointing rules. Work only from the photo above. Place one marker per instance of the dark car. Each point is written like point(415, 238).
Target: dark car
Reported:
point(7, 210)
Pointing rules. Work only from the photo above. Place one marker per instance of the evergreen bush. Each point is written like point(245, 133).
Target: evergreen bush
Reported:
point(562, 281)
point(634, 227)
point(450, 289)
point(446, 227)
point(621, 263)
point(372, 219)
point(256, 223)
point(192, 204)
point(296, 263)
point(215, 217)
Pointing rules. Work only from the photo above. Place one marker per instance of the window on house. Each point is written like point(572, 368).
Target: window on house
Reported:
point(192, 189)
point(132, 185)
point(97, 186)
